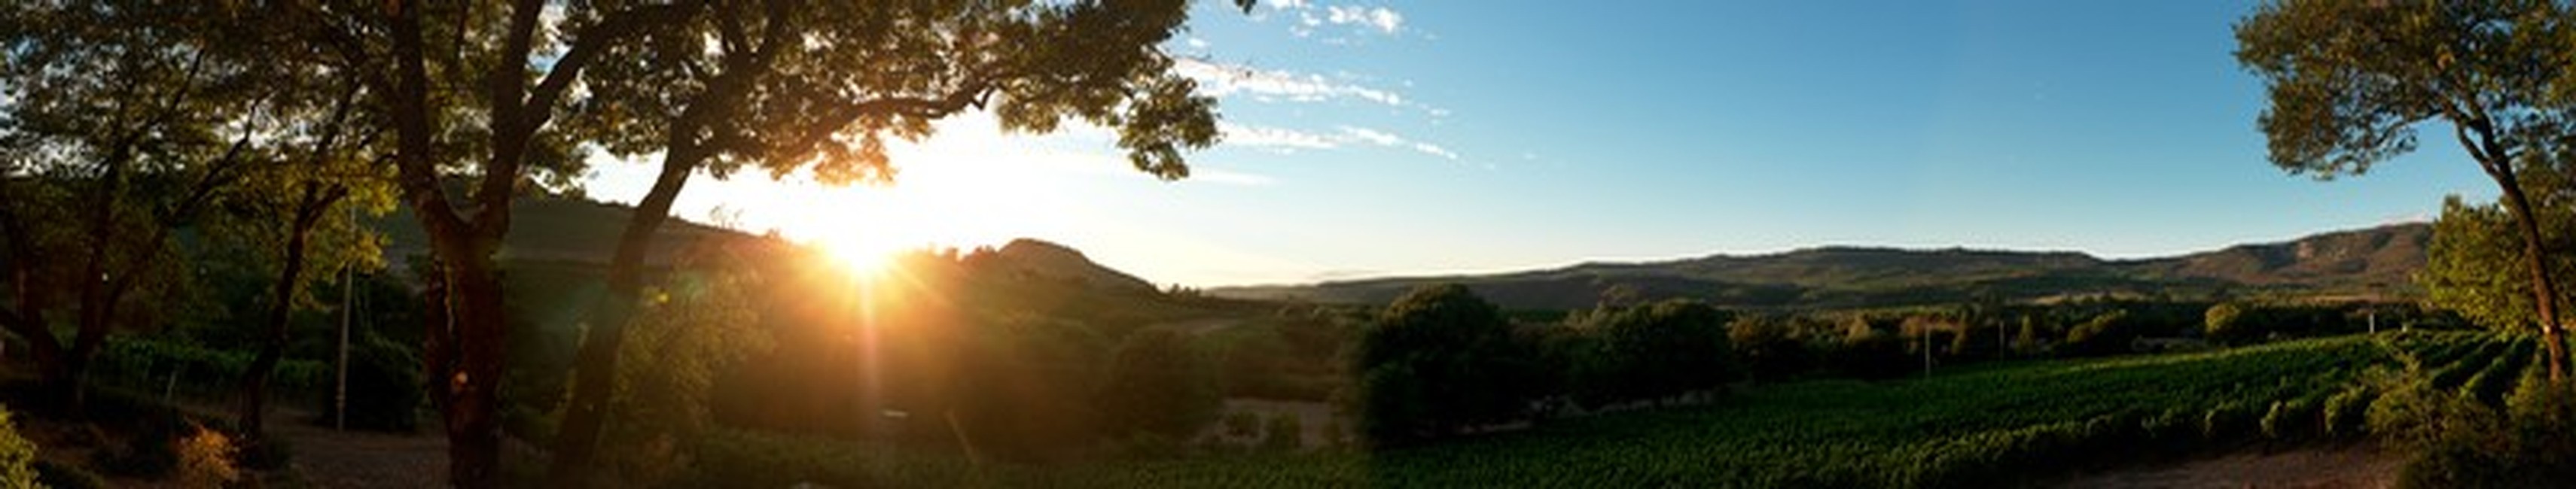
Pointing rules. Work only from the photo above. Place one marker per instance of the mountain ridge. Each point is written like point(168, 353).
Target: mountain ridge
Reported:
point(2375, 261)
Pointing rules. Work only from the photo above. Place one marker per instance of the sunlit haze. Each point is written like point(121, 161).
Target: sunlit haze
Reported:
point(1429, 137)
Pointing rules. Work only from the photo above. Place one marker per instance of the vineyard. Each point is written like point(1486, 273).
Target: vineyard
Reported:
point(2002, 424)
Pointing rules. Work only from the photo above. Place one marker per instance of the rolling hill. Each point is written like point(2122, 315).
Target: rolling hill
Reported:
point(2377, 260)
point(579, 234)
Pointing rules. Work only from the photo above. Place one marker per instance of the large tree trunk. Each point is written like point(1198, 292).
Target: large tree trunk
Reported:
point(470, 386)
point(462, 348)
point(595, 368)
point(2544, 289)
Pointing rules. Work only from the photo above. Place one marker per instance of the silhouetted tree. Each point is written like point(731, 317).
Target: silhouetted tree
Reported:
point(1158, 383)
point(1664, 349)
point(1770, 347)
point(2349, 81)
point(1437, 361)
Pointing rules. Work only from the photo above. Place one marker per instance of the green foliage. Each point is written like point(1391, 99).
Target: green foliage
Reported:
point(149, 362)
point(2108, 334)
point(1159, 383)
point(1661, 350)
point(1283, 433)
point(2348, 81)
point(2225, 323)
point(59, 475)
point(705, 323)
point(2476, 266)
point(17, 455)
point(1770, 347)
point(1868, 352)
point(1439, 361)
point(384, 386)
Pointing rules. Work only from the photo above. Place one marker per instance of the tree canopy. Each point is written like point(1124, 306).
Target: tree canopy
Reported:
point(2348, 83)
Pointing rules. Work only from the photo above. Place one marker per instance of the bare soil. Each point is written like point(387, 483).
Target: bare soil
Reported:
point(354, 459)
point(2357, 466)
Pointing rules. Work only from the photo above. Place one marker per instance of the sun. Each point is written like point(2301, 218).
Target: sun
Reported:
point(865, 254)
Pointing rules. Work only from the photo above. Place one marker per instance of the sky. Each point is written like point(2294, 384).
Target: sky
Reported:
point(1380, 139)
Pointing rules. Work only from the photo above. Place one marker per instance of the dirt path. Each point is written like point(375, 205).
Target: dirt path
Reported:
point(367, 459)
point(2313, 468)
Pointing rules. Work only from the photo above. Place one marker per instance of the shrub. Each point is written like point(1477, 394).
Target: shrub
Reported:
point(2228, 324)
point(385, 388)
point(63, 476)
point(2107, 334)
point(1769, 346)
point(206, 459)
point(1285, 433)
point(1868, 353)
point(1159, 383)
point(16, 455)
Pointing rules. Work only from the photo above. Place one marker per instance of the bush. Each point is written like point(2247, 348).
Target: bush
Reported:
point(62, 476)
point(1285, 433)
point(2227, 324)
point(16, 455)
point(385, 388)
point(2108, 334)
point(1869, 353)
point(1769, 346)
point(1159, 383)
point(206, 459)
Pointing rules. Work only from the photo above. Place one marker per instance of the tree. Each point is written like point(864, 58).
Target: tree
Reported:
point(2471, 242)
point(1157, 383)
point(790, 85)
point(1770, 346)
point(469, 90)
point(2349, 81)
point(2107, 334)
point(704, 323)
point(1664, 349)
point(120, 123)
point(2227, 323)
point(1439, 360)
point(296, 204)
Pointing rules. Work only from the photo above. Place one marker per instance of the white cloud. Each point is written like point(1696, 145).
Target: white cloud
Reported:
point(1372, 136)
point(1382, 19)
point(1435, 150)
point(1217, 79)
point(1277, 139)
point(1311, 16)
point(1284, 140)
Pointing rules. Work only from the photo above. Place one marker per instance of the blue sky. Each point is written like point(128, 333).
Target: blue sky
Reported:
point(1379, 138)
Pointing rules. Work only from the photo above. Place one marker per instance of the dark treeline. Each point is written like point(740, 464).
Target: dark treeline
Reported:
point(1441, 361)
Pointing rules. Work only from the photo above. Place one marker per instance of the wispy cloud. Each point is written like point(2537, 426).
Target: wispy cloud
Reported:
point(1382, 19)
point(1220, 79)
point(1284, 140)
point(1309, 18)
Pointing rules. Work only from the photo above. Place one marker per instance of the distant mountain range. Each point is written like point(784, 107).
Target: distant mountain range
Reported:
point(2377, 261)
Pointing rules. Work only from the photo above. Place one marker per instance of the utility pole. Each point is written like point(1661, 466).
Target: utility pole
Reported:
point(348, 310)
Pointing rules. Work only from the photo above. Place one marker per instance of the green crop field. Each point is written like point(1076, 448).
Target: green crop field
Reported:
point(1999, 424)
